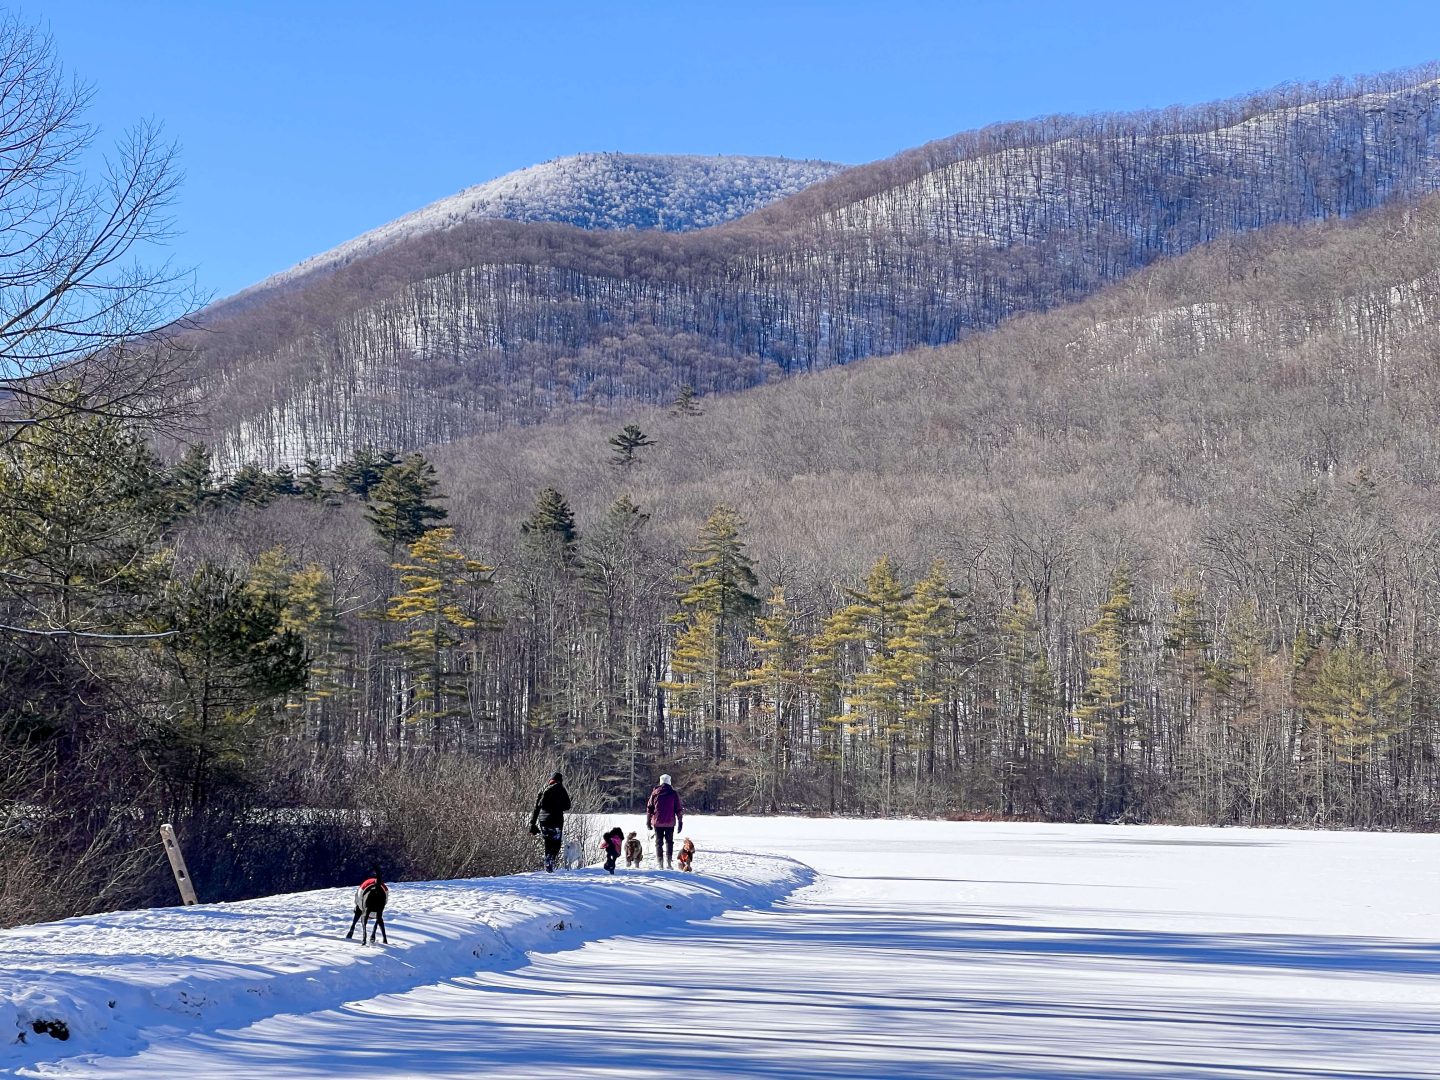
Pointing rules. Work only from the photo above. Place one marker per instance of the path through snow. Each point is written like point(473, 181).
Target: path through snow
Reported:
point(937, 950)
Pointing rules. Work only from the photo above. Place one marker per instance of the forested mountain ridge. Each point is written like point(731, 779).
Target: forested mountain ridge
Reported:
point(494, 324)
point(669, 192)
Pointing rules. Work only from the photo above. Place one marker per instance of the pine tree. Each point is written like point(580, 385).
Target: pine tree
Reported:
point(1037, 735)
point(192, 481)
point(855, 644)
point(312, 484)
point(83, 509)
point(551, 525)
point(1238, 676)
point(362, 474)
point(251, 484)
point(1187, 644)
point(402, 504)
point(309, 609)
point(229, 659)
point(1107, 715)
point(441, 610)
point(929, 633)
point(875, 621)
point(717, 600)
point(282, 481)
point(779, 677)
point(687, 402)
point(1352, 704)
point(627, 443)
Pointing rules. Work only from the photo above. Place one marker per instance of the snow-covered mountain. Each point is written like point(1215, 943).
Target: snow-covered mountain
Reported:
point(669, 192)
point(492, 323)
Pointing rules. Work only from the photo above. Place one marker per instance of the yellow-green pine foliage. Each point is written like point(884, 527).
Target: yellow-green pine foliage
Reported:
point(1353, 701)
point(779, 677)
point(442, 612)
point(310, 610)
point(871, 623)
point(695, 666)
point(716, 597)
point(1031, 678)
point(1104, 709)
point(929, 632)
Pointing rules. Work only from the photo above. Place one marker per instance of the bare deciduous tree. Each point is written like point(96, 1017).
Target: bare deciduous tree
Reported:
point(83, 315)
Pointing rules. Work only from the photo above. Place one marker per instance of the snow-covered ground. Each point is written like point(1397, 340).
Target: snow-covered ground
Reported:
point(915, 949)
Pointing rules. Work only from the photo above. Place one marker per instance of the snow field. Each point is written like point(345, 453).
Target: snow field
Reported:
point(923, 950)
point(122, 981)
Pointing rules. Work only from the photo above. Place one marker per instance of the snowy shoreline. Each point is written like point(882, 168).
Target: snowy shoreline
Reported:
point(123, 980)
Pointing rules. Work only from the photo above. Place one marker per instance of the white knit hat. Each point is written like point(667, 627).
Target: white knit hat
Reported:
point(665, 778)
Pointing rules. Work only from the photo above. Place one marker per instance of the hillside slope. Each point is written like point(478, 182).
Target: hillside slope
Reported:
point(1163, 418)
point(493, 324)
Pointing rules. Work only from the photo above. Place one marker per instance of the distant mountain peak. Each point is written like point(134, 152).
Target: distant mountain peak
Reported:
point(606, 191)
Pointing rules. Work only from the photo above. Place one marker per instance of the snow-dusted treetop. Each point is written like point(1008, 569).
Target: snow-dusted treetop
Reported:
point(669, 192)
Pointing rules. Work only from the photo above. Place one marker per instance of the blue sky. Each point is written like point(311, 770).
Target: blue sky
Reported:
point(303, 124)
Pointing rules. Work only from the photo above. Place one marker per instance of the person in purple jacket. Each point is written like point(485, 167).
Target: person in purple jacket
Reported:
point(665, 814)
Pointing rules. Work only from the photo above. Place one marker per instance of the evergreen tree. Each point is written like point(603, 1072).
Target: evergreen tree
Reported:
point(250, 484)
point(308, 608)
point(1352, 704)
point(402, 504)
point(440, 611)
point(627, 443)
point(282, 481)
point(551, 525)
point(1106, 714)
point(83, 508)
point(929, 634)
point(687, 402)
point(312, 484)
point(229, 659)
point(192, 480)
point(779, 677)
point(871, 625)
point(1037, 736)
point(717, 599)
point(361, 474)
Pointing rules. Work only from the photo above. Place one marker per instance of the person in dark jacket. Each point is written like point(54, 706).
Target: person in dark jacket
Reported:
point(665, 814)
point(548, 818)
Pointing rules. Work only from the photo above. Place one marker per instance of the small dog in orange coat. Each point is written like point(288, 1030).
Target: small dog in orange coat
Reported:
point(687, 854)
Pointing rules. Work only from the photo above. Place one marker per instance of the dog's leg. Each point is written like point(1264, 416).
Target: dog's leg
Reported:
point(380, 922)
point(351, 935)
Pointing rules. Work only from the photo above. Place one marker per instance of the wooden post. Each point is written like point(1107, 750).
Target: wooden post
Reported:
point(177, 864)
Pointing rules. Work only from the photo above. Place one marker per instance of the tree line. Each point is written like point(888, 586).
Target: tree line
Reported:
point(186, 649)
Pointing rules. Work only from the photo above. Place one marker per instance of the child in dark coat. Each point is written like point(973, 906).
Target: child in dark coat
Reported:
point(634, 851)
point(613, 842)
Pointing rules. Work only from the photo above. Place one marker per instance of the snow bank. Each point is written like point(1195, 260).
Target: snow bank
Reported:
point(121, 981)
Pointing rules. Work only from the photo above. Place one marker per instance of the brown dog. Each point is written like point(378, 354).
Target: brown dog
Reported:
point(687, 854)
point(634, 851)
